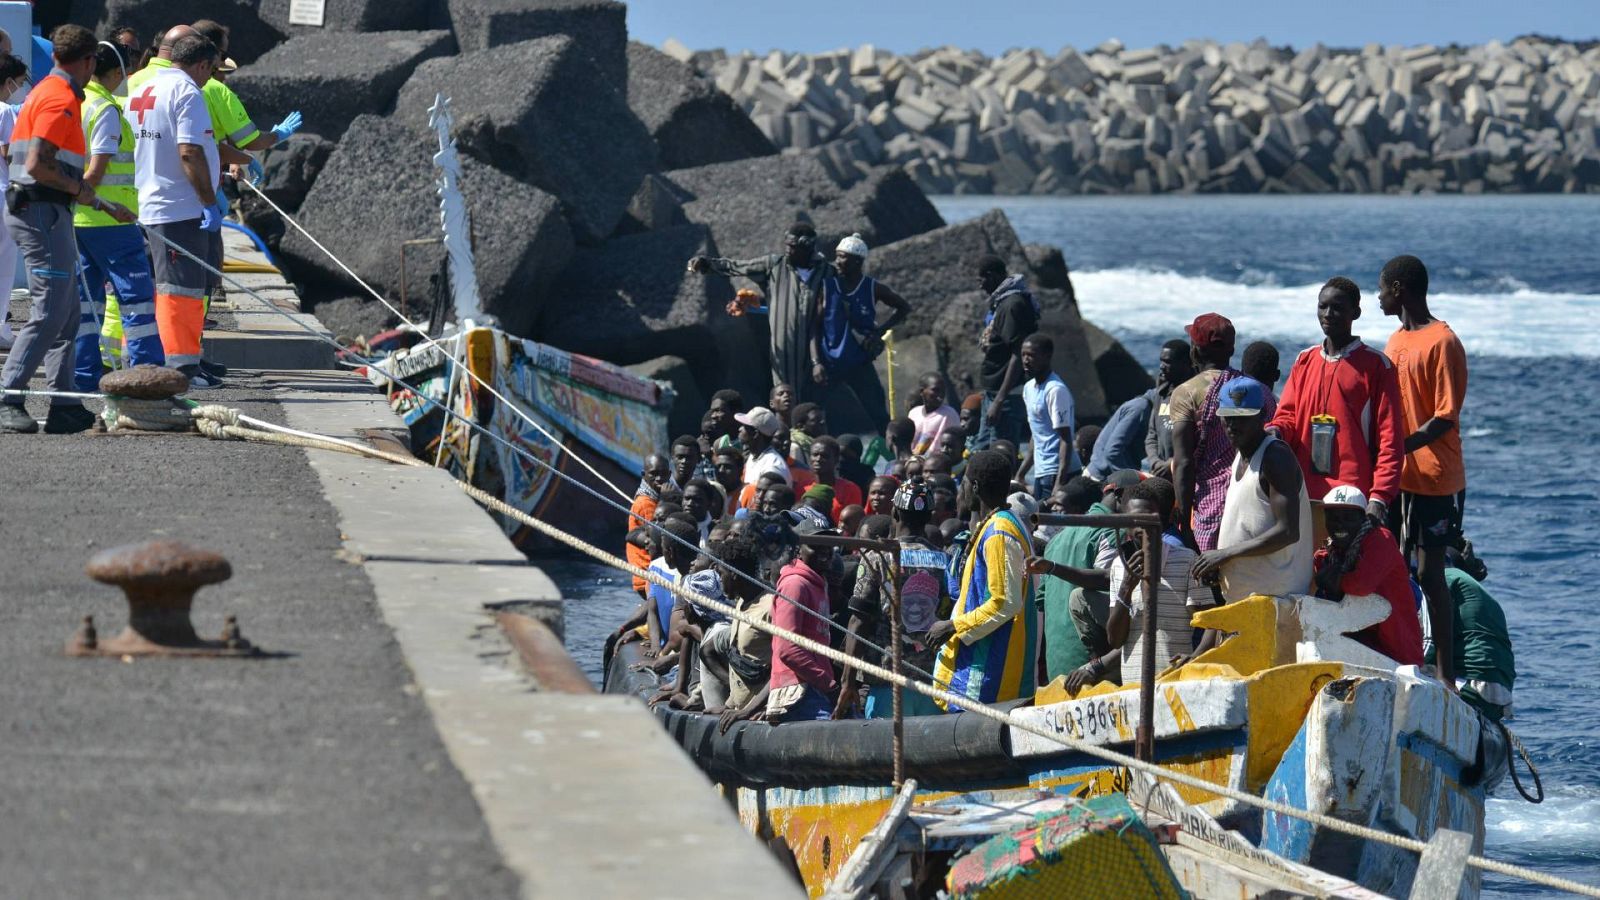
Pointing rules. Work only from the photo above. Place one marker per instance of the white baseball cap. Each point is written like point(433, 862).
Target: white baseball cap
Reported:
point(761, 419)
point(1345, 495)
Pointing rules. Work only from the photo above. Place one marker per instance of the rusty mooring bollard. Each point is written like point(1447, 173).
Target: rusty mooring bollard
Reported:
point(160, 579)
point(141, 399)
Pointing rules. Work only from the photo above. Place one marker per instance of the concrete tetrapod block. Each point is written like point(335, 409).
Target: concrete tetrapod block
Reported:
point(749, 204)
point(631, 300)
point(692, 122)
point(688, 401)
point(377, 191)
point(352, 15)
point(597, 26)
point(1121, 376)
point(563, 129)
point(929, 268)
point(249, 36)
point(332, 77)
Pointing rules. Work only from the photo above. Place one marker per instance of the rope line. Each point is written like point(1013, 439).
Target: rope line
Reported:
point(215, 427)
point(452, 414)
point(428, 339)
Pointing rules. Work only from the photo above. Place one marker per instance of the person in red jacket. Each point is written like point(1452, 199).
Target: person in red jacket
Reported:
point(1340, 409)
point(1362, 557)
point(802, 686)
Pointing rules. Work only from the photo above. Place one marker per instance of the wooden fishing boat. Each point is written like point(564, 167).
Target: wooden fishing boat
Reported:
point(586, 407)
point(1287, 707)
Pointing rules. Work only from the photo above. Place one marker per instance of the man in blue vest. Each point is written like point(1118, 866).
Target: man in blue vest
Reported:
point(846, 336)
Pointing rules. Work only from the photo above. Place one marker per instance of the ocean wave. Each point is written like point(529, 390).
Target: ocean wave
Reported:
point(1510, 319)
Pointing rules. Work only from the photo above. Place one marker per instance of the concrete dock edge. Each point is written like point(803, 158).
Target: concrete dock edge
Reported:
point(584, 796)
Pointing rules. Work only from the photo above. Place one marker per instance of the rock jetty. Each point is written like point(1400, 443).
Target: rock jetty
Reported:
point(594, 168)
point(1202, 117)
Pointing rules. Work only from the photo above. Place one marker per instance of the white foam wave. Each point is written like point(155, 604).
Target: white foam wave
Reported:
point(1568, 819)
point(1516, 321)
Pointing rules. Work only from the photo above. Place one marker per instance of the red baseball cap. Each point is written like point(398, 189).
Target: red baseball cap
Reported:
point(1208, 329)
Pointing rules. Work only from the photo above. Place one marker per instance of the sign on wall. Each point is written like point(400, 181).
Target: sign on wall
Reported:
point(307, 12)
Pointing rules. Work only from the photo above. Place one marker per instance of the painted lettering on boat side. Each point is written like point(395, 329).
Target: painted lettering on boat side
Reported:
point(1087, 719)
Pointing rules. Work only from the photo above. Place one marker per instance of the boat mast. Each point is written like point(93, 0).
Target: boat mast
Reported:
point(455, 221)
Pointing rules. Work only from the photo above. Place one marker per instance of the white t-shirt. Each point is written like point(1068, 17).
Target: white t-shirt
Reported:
point(169, 111)
point(1049, 407)
point(768, 460)
point(106, 136)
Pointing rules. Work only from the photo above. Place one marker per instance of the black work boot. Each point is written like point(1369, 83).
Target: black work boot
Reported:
point(68, 419)
point(14, 418)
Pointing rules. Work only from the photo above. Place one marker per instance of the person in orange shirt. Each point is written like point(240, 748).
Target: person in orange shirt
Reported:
point(1432, 369)
point(657, 475)
point(47, 163)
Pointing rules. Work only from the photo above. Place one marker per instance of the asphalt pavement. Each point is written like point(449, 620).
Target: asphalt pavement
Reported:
point(319, 774)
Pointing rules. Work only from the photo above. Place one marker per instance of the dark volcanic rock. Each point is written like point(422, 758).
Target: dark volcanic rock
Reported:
point(292, 167)
point(928, 268)
point(598, 26)
point(956, 335)
point(377, 191)
point(249, 37)
point(561, 129)
point(654, 206)
point(353, 15)
point(749, 204)
point(1049, 267)
point(350, 318)
point(693, 123)
point(1121, 376)
point(332, 77)
point(631, 299)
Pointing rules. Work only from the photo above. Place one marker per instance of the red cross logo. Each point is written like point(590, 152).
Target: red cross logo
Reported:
point(143, 103)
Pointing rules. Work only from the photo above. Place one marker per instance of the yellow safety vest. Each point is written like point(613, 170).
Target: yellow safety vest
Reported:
point(116, 186)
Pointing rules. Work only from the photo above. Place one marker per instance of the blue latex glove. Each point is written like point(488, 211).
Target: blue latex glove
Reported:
point(211, 219)
point(289, 125)
point(256, 171)
point(222, 204)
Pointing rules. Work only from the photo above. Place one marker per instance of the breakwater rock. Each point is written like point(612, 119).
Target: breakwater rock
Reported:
point(593, 169)
point(1201, 117)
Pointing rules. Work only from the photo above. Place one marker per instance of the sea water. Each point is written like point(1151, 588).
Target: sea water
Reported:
point(1518, 279)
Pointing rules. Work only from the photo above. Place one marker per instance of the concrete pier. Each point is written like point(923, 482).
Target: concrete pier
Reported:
point(396, 748)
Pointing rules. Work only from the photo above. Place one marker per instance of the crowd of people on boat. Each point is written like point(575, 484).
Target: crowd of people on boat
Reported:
point(1348, 480)
point(114, 176)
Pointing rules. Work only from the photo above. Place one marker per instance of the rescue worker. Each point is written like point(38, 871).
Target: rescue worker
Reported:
point(47, 160)
point(177, 169)
point(109, 250)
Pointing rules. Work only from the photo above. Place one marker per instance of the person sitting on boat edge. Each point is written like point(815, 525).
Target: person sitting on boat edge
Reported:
point(802, 685)
point(1178, 593)
point(679, 542)
point(1264, 542)
point(1362, 557)
point(1076, 572)
point(656, 475)
point(924, 600)
point(1485, 665)
point(736, 662)
point(988, 646)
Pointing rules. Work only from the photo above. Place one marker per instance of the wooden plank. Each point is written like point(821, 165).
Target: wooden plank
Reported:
point(875, 852)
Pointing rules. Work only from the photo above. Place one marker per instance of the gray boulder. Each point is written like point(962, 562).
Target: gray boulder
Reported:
point(249, 37)
point(382, 178)
point(654, 206)
point(749, 204)
point(631, 299)
point(1049, 267)
point(692, 122)
point(352, 15)
point(333, 76)
point(956, 332)
point(598, 26)
point(562, 129)
point(292, 167)
point(1122, 378)
point(928, 268)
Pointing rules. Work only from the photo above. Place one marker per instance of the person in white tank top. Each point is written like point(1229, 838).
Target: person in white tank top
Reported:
point(1264, 543)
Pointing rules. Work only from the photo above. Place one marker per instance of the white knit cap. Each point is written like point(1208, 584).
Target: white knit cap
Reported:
point(854, 246)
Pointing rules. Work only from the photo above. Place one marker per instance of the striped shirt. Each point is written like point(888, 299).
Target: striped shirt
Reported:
point(1177, 596)
point(992, 657)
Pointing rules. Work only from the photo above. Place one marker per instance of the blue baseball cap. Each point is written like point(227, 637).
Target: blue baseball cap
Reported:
point(1242, 396)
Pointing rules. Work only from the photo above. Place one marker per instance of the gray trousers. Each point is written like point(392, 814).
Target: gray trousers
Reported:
point(43, 233)
point(712, 688)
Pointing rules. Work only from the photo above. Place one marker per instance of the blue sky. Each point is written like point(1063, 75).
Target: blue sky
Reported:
point(994, 25)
